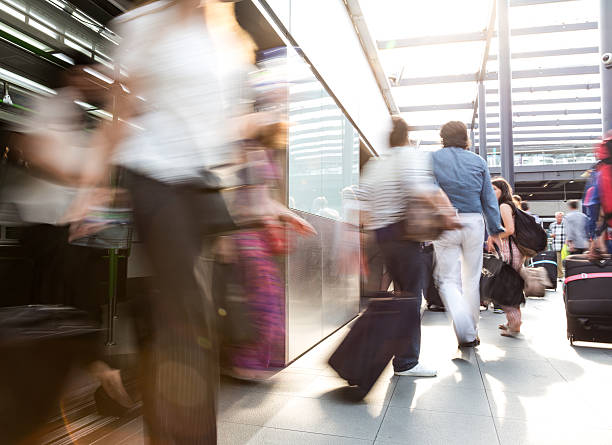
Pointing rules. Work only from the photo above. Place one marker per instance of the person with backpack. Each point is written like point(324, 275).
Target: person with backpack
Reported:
point(509, 250)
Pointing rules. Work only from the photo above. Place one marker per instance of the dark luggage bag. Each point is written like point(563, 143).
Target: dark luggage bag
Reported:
point(547, 260)
point(588, 299)
point(372, 341)
point(39, 345)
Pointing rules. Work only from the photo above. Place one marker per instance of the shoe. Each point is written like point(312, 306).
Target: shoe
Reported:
point(436, 308)
point(498, 311)
point(418, 371)
point(470, 344)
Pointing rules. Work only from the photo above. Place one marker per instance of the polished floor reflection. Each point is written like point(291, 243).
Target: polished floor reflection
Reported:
point(533, 390)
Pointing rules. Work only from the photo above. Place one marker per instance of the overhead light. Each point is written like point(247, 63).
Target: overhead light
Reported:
point(13, 12)
point(42, 28)
point(26, 83)
point(16, 4)
point(102, 113)
point(24, 38)
point(64, 57)
point(98, 75)
point(79, 48)
point(84, 105)
point(7, 98)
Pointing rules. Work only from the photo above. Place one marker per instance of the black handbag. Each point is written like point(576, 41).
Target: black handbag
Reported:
point(233, 318)
point(499, 282)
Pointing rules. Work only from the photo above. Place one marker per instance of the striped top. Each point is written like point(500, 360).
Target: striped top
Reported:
point(387, 182)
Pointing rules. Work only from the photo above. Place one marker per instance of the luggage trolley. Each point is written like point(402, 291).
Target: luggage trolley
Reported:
point(115, 236)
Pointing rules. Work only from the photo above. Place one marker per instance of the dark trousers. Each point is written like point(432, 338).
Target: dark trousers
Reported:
point(179, 355)
point(406, 263)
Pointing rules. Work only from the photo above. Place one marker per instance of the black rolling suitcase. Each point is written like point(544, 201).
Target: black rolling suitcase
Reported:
point(372, 341)
point(38, 345)
point(588, 299)
point(547, 260)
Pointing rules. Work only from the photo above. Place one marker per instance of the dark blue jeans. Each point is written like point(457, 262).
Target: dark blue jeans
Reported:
point(407, 264)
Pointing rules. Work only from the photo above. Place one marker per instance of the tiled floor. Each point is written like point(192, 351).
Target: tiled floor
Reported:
point(532, 390)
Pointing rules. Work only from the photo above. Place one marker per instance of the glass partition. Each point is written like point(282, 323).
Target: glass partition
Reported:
point(323, 146)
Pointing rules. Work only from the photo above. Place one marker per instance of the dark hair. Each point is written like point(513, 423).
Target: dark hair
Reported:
point(506, 191)
point(454, 134)
point(399, 132)
point(573, 204)
point(517, 198)
point(524, 206)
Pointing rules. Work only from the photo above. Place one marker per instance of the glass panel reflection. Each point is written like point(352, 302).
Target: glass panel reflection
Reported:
point(323, 146)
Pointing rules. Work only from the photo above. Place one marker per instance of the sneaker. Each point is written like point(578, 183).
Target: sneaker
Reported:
point(498, 310)
point(418, 371)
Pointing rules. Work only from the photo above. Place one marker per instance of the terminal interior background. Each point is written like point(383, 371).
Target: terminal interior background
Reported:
point(349, 65)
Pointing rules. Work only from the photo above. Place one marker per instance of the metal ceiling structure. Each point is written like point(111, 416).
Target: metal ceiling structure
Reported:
point(450, 70)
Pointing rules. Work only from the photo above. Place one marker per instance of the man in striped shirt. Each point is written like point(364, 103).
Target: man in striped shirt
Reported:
point(383, 189)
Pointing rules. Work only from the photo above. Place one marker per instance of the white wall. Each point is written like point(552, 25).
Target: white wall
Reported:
point(325, 33)
point(547, 208)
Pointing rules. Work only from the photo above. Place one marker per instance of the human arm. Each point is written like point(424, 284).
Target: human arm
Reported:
point(490, 207)
point(571, 232)
point(507, 216)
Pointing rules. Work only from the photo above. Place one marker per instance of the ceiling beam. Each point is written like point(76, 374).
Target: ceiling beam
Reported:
point(550, 112)
point(519, 74)
point(549, 138)
point(597, 131)
point(469, 105)
point(581, 86)
point(480, 35)
point(549, 123)
point(535, 2)
point(551, 53)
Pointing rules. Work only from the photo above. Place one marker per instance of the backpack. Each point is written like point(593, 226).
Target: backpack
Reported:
point(604, 179)
point(591, 204)
point(529, 236)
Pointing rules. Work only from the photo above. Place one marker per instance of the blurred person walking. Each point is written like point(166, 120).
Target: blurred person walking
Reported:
point(192, 78)
point(557, 234)
point(384, 188)
point(464, 176)
point(54, 146)
point(509, 249)
point(525, 208)
point(576, 225)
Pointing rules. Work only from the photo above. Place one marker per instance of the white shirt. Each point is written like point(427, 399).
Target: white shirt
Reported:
point(190, 93)
point(387, 182)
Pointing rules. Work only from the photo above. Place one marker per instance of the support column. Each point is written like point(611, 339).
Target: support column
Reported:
point(505, 92)
point(482, 121)
point(605, 46)
point(473, 145)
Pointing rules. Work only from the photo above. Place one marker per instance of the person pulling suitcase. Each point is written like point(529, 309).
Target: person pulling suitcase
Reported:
point(391, 326)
